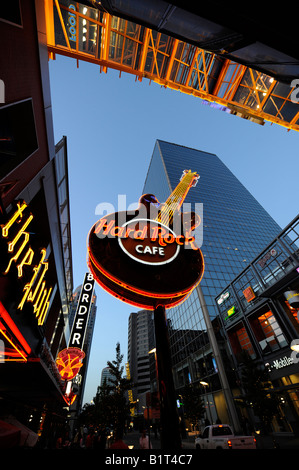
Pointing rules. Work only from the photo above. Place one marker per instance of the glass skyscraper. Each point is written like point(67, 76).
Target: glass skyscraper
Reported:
point(235, 229)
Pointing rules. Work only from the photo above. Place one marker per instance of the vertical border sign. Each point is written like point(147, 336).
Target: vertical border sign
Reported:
point(82, 313)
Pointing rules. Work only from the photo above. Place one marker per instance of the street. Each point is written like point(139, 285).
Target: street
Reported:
point(263, 442)
point(132, 439)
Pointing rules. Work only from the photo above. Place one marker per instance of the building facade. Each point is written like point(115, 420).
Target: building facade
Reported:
point(36, 280)
point(140, 342)
point(259, 312)
point(106, 376)
point(229, 240)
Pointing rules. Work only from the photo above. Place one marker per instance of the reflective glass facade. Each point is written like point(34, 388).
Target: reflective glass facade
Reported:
point(235, 229)
point(263, 301)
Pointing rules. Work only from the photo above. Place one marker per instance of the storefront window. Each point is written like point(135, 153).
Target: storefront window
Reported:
point(18, 138)
point(240, 341)
point(267, 331)
point(291, 312)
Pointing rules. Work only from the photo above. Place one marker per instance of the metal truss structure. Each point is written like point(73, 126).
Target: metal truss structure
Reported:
point(92, 35)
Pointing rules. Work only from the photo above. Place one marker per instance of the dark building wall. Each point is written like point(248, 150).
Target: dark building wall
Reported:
point(21, 74)
point(29, 172)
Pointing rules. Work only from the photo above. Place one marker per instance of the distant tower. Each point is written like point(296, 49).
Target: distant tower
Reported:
point(140, 341)
point(106, 375)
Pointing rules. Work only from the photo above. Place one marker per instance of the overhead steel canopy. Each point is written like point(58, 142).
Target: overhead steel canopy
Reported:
point(250, 36)
point(91, 34)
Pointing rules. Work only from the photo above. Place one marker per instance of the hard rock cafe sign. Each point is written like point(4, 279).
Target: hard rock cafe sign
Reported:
point(148, 257)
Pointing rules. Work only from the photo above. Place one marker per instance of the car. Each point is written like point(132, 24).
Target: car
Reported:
point(221, 436)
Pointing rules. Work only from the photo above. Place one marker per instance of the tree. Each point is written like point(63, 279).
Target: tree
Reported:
point(104, 405)
point(120, 406)
point(110, 406)
point(256, 385)
point(193, 405)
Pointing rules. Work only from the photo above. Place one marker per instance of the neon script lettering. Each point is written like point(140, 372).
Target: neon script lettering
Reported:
point(151, 230)
point(35, 290)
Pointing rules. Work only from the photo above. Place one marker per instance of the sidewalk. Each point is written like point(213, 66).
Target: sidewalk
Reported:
point(132, 438)
point(263, 442)
point(277, 442)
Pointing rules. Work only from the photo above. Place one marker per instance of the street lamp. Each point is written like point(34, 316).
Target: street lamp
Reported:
point(154, 351)
point(295, 345)
point(205, 384)
point(169, 419)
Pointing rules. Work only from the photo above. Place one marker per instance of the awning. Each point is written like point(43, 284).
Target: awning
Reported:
point(15, 434)
point(10, 436)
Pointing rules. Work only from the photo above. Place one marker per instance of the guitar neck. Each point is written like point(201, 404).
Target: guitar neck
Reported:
point(177, 197)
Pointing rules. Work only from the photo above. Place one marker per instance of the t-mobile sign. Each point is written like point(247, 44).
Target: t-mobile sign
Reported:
point(82, 313)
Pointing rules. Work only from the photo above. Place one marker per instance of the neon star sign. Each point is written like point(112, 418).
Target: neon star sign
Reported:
point(69, 362)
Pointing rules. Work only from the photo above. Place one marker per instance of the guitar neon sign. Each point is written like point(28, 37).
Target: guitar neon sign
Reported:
point(148, 257)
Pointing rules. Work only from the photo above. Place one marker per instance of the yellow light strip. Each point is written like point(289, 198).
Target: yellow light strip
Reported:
point(15, 347)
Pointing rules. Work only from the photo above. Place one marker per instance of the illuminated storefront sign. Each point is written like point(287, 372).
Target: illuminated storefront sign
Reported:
point(36, 291)
point(292, 296)
point(69, 360)
point(267, 256)
point(231, 312)
point(82, 313)
point(149, 256)
point(72, 23)
point(223, 297)
point(281, 363)
point(157, 236)
point(16, 348)
point(249, 294)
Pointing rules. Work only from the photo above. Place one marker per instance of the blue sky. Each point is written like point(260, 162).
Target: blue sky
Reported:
point(111, 124)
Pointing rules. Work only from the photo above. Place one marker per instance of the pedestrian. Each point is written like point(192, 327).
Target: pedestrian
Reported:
point(59, 443)
point(144, 441)
point(102, 439)
point(89, 440)
point(77, 438)
point(119, 443)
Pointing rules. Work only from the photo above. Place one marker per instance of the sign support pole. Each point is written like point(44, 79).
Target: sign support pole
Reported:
point(170, 430)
